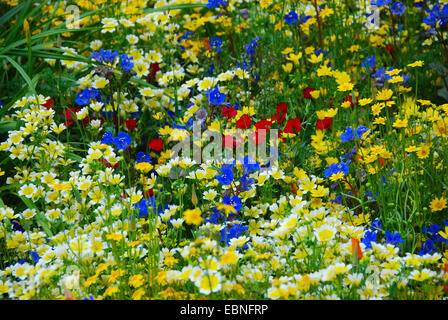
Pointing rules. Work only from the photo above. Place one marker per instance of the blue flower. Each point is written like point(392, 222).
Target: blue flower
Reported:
point(427, 247)
point(291, 17)
point(335, 168)
point(369, 61)
point(143, 157)
point(393, 238)
point(234, 201)
point(233, 232)
point(123, 140)
point(126, 63)
point(216, 44)
point(347, 135)
point(108, 138)
point(380, 3)
point(105, 56)
point(226, 177)
point(361, 130)
point(369, 237)
point(397, 8)
point(216, 3)
point(249, 164)
point(216, 97)
point(86, 95)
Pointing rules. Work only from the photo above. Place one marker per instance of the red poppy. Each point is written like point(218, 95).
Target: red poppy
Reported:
point(156, 144)
point(282, 108)
point(324, 124)
point(244, 122)
point(357, 247)
point(307, 92)
point(131, 124)
point(228, 112)
point(263, 124)
point(390, 48)
point(293, 126)
point(47, 104)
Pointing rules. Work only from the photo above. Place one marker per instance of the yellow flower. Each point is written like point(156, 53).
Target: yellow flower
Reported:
point(287, 67)
point(418, 63)
point(384, 94)
point(193, 216)
point(346, 86)
point(400, 123)
point(438, 204)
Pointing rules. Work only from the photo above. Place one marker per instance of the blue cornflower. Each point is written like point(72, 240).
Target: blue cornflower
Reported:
point(35, 256)
point(216, 97)
point(397, 8)
point(291, 17)
point(123, 140)
point(393, 238)
point(216, 44)
point(126, 63)
point(347, 135)
point(108, 138)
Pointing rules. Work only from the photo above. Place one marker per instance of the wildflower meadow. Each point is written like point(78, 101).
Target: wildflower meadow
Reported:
point(223, 150)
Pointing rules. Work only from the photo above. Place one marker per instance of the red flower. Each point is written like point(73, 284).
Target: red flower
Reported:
point(357, 247)
point(228, 112)
point(307, 92)
point(390, 48)
point(85, 122)
point(156, 144)
point(244, 122)
point(148, 194)
point(349, 98)
point(263, 124)
point(232, 141)
point(154, 68)
point(68, 115)
point(293, 126)
point(131, 124)
point(294, 188)
point(324, 124)
point(107, 164)
point(47, 104)
point(257, 137)
point(282, 108)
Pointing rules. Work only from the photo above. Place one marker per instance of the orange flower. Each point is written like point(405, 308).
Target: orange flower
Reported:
point(355, 244)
